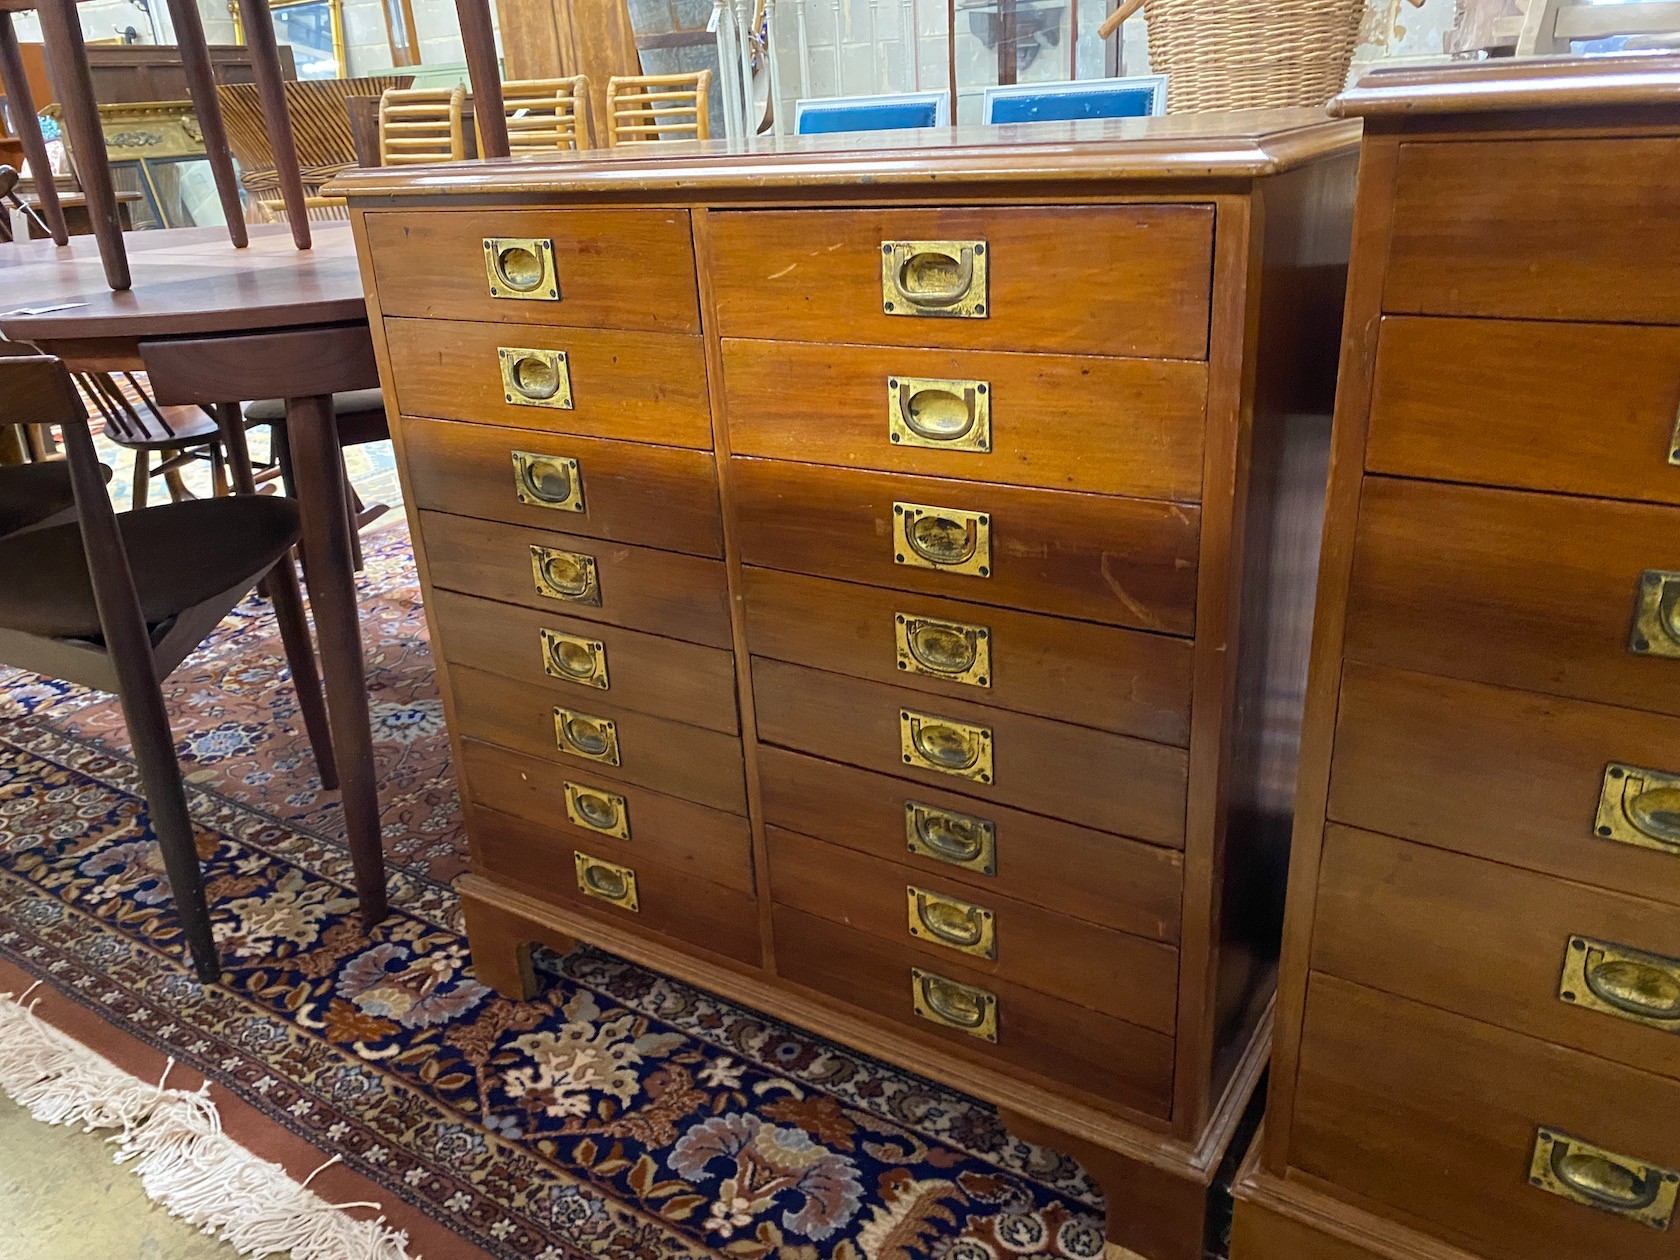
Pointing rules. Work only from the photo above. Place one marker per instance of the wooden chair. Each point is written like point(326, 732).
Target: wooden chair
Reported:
point(35, 494)
point(647, 107)
point(545, 115)
point(418, 125)
point(116, 602)
point(180, 435)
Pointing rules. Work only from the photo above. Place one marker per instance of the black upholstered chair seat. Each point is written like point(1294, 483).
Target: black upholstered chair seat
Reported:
point(30, 493)
point(181, 554)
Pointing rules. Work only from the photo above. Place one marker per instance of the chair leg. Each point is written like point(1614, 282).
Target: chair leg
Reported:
point(300, 655)
point(353, 511)
point(142, 478)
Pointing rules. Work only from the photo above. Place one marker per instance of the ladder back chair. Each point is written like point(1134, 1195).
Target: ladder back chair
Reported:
point(180, 436)
point(419, 125)
point(545, 115)
point(116, 602)
point(647, 107)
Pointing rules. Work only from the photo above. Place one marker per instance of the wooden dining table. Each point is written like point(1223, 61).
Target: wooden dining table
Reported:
point(218, 326)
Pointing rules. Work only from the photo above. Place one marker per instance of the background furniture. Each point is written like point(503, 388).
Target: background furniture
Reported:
point(955, 717)
point(181, 435)
point(138, 73)
point(545, 115)
point(1476, 1052)
point(891, 111)
point(421, 125)
point(1135, 97)
point(658, 107)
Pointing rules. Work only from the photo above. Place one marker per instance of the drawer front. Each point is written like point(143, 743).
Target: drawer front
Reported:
point(943, 921)
point(1120, 280)
point(1116, 680)
point(586, 808)
point(576, 662)
point(1517, 778)
point(611, 268)
point(1544, 229)
point(1438, 1116)
point(655, 496)
point(1491, 942)
point(685, 761)
point(639, 387)
point(658, 591)
point(1107, 426)
point(1129, 562)
point(1523, 590)
point(1589, 409)
point(990, 850)
point(1103, 1060)
point(1110, 782)
point(669, 901)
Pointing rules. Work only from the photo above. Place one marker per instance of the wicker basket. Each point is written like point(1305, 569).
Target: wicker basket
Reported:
point(1248, 54)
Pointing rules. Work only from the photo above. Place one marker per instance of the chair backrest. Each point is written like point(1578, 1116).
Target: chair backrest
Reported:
point(658, 107)
point(546, 115)
point(421, 125)
point(1137, 97)
point(890, 111)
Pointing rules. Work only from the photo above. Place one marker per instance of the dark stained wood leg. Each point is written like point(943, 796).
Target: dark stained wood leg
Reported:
point(201, 86)
point(61, 31)
point(271, 89)
point(300, 655)
point(312, 434)
point(28, 125)
point(353, 521)
point(479, 40)
point(142, 479)
point(501, 945)
point(232, 425)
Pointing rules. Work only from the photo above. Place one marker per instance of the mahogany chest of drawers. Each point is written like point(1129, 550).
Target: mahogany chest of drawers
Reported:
point(1478, 1045)
point(874, 586)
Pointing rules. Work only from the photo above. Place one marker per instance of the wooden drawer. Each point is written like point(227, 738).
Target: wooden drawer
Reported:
point(1508, 775)
point(1491, 941)
point(1130, 562)
point(1544, 229)
point(642, 672)
point(655, 496)
point(1437, 1116)
point(658, 591)
point(641, 387)
point(670, 901)
point(1091, 875)
point(1108, 971)
point(1104, 1061)
point(706, 843)
point(1116, 680)
point(1107, 426)
point(1525, 590)
point(615, 268)
point(1121, 280)
point(685, 761)
point(1588, 409)
point(1111, 782)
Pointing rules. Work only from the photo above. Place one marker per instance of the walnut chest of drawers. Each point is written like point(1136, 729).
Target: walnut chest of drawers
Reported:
point(875, 586)
point(1478, 1044)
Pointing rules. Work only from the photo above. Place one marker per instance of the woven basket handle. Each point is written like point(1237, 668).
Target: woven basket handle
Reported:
point(1113, 22)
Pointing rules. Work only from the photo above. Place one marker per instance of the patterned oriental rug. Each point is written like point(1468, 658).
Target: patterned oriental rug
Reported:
point(621, 1115)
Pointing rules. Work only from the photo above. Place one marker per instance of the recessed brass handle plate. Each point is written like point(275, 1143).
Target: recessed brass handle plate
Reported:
point(597, 810)
point(1674, 442)
point(947, 836)
point(1627, 983)
point(951, 1004)
point(942, 279)
point(535, 378)
point(582, 735)
point(952, 540)
point(547, 481)
point(1640, 807)
point(607, 880)
point(1656, 615)
point(938, 414)
point(574, 659)
point(521, 268)
point(1583, 1173)
point(566, 575)
point(952, 650)
point(959, 925)
point(963, 749)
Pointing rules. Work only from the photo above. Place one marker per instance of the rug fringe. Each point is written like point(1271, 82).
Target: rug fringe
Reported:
point(175, 1141)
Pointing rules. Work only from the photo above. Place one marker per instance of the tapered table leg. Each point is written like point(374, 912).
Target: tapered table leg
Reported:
point(478, 39)
point(201, 86)
point(29, 129)
point(312, 432)
point(271, 89)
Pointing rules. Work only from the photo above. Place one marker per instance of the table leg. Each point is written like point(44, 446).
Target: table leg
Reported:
point(61, 31)
point(271, 90)
point(312, 431)
point(29, 129)
point(201, 86)
point(478, 40)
